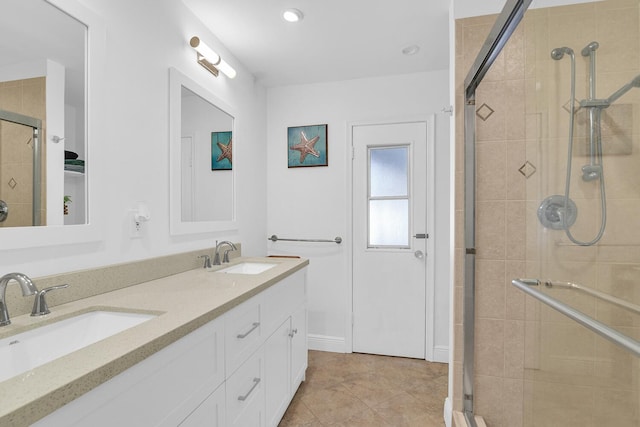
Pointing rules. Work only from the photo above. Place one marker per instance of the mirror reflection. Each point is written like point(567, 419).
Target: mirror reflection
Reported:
point(206, 168)
point(42, 81)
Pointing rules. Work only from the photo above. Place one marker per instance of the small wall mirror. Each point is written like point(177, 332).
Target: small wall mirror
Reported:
point(201, 128)
point(43, 126)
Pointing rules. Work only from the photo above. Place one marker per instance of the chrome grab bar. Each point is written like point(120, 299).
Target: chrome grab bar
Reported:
point(275, 238)
point(600, 295)
point(528, 286)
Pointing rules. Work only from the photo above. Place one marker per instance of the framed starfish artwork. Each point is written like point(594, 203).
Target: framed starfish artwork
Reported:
point(221, 151)
point(307, 146)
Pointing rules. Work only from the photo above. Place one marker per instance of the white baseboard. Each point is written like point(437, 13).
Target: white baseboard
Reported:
point(441, 354)
point(447, 412)
point(327, 343)
point(339, 345)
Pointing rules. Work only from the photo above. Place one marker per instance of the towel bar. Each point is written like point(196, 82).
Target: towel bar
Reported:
point(275, 238)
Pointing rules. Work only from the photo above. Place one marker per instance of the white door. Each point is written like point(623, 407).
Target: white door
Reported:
point(389, 238)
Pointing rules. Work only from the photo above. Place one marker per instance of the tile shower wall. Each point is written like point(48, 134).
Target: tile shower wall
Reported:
point(528, 356)
point(25, 97)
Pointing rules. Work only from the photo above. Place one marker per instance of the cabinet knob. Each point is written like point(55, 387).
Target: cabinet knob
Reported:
point(293, 332)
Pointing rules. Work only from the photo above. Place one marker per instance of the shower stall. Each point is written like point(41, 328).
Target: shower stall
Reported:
point(20, 169)
point(547, 307)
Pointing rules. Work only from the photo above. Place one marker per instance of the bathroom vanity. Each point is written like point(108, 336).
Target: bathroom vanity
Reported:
point(223, 348)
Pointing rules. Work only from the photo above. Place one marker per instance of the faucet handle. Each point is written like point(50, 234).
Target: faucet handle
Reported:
point(207, 261)
point(40, 307)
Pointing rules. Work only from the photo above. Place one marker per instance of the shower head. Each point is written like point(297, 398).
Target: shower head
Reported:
point(591, 47)
point(558, 53)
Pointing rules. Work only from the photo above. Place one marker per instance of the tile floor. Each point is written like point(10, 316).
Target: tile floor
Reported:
point(367, 390)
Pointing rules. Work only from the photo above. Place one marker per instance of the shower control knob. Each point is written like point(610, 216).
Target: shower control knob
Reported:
point(4, 210)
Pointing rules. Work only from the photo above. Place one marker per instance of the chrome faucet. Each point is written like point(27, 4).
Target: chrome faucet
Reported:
point(27, 286)
point(225, 258)
point(40, 307)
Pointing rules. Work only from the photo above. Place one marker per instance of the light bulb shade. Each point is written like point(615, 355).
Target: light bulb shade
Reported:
point(226, 69)
point(211, 60)
point(204, 50)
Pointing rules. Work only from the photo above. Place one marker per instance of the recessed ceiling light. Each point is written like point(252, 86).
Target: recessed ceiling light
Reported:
point(292, 15)
point(411, 50)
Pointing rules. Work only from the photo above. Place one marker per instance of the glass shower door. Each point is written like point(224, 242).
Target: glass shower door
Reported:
point(582, 113)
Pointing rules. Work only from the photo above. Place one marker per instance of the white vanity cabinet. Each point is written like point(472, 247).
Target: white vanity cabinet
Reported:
point(241, 369)
point(286, 348)
point(162, 390)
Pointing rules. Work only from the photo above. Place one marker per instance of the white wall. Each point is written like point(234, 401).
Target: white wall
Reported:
point(314, 202)
point(143, 40)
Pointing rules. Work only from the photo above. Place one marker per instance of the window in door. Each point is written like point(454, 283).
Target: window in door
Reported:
point(388, 199)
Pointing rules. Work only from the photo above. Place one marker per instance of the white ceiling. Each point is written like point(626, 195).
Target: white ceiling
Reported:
point(336, 40)
point(34, 30)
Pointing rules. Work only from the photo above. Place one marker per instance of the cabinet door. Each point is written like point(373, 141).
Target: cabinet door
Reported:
point(278, 373)
point(299, 350)
point(210, 413)
point(245, 393)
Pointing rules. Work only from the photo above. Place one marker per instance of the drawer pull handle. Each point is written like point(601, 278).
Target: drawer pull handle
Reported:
point(253, 328)
point(256, 381)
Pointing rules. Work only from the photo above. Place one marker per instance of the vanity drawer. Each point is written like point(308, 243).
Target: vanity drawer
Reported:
point(244, 332)
point(245, 393)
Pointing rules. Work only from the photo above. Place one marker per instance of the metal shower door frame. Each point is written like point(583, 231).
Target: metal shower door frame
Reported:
point(506, 23)
point(36, 125)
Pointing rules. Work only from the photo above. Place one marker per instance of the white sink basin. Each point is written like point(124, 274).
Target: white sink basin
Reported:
point(25, 351)
point(247, 268)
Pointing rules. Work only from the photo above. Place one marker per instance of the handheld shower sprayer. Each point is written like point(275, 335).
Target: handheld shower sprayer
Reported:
point(559, 52)
point(559, 211)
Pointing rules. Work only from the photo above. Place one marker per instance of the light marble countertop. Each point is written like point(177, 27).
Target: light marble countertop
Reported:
point(183, 302)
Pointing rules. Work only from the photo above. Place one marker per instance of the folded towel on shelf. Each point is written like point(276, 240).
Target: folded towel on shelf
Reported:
point(74, 165)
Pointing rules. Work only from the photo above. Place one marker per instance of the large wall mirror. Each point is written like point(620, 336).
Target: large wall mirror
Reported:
point(42, 115)
point(202, 165)
point(46, 121)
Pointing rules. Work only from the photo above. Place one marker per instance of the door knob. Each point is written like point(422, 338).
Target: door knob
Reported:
point(419, 254)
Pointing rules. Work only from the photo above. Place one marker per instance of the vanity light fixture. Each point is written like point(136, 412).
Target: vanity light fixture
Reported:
point(292, 15)
point(211, 60)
